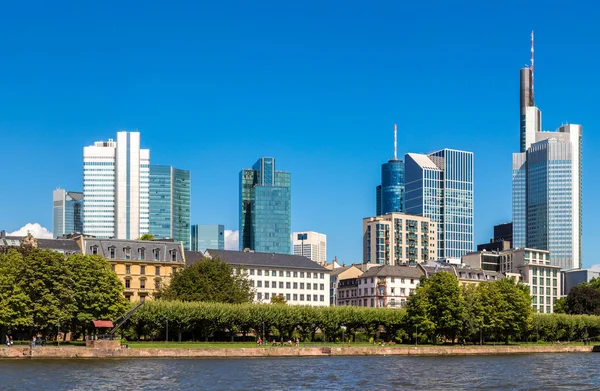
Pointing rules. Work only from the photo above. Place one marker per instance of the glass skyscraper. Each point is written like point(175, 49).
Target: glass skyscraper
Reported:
point(265, 208)
point(440, 186)
point(208, 236)
point(546, 188)
point(67, 212)
point(170, 193)
point(390, 194)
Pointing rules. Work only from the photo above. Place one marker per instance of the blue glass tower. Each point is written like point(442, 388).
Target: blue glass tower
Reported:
point(67, 216)
point(390, 194)
point(170, 193)
point(265, 208)
point(208, 236)
point(440, 186)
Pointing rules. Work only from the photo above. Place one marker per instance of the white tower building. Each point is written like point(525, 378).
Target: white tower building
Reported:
point(312, 245)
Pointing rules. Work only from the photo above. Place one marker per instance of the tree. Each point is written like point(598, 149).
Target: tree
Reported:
point(560, 306)
point(209, 279)
point(583, 299)
point(146, 237)
point(278, 300)
point(14, 303)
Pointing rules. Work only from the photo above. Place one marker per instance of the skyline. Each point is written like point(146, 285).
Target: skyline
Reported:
point(337, 89)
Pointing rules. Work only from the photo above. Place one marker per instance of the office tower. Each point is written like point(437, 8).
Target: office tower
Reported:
point(208, 236)
point(399, 238)
point(546, 192)
point(390, 194)
point(115, 188)
point(170, 193)
point(312, 245)
point(66, 212)
point(440, 186)
point(265, 208)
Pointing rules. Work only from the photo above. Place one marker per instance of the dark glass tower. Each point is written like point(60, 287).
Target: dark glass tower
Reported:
point(390, 194)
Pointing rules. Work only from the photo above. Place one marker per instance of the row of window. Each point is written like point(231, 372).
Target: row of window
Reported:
point(288, 285)
point(142, 284)
point(273, 273)
point(383, 280)
point(112, 253)
point(294, 297)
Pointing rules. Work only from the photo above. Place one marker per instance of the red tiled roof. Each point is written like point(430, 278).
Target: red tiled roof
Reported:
point(103, 324)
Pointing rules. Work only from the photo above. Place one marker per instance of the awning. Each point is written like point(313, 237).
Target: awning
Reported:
point(103, 324)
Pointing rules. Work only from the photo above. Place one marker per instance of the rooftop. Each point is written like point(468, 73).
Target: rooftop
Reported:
point(273, 260)
point(393, 271)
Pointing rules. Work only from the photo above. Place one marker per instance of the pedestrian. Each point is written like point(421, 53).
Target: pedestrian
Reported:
point(33, 341)
point(7, 340)
point(11, 341)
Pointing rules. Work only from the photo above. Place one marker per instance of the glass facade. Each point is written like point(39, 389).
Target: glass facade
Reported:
point(208, 236)
point(390, 195)
point(170, 192)
point(440, 186)
point(265, 208)
point(67, 213)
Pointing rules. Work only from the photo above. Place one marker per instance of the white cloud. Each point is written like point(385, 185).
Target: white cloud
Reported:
point(232, 240)
point(35, 229)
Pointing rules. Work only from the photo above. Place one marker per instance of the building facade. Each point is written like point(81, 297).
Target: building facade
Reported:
point(208, 236)
point(572, 278)
point(390, 194)
point(298, 279)
point(546, 175)
point(398, 238)
point(170, 209)
point(440, 186)
point(67, 212)
point(116, 176)
point(385, 286)
point(344, 274)
point(312, 245)
point(265, 208)
point(142, 266)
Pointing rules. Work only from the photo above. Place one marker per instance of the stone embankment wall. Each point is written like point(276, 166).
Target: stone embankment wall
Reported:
point(81, 352)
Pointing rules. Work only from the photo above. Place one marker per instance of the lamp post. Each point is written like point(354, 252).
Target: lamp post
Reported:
point(343, 329)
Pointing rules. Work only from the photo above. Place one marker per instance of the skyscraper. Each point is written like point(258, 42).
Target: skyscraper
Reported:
point(115, 187)
point(390, 194)
point(312, 245)
point(67, 216)
point(170, 194)
point(546, 173)
point(265, 208)
point(208, 236)
point(440, 186)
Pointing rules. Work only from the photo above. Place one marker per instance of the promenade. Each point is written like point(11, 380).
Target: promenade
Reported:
point(83, 352)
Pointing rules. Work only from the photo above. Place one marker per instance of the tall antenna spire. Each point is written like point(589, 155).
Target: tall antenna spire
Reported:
point(395, 142)
point(531, 66)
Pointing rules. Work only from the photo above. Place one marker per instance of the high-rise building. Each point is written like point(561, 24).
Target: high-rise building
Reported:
point(440, 186)
point(170, 193)
point(116, 178)
point(67, 212)
point(546, 204)
point(390, 194)
point(208, 236)
point(399, 238)
point(265, 208)
point(312, 245)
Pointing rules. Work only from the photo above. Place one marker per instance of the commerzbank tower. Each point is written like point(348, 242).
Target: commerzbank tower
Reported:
point(546, 180)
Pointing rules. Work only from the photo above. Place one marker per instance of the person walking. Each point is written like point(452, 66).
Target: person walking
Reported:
point(11, 341)
point(33, 341)
point(7, 341)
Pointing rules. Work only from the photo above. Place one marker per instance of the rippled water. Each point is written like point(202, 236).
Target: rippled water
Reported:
point(510, 372)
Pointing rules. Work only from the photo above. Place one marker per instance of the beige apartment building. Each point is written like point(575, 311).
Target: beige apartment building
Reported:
point(399, 239)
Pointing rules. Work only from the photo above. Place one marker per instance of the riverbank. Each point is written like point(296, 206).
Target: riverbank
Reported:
point(82, 352)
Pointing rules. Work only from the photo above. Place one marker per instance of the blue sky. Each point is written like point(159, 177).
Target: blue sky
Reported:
point(212, 86)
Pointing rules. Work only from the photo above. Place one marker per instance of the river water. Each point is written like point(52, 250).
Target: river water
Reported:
point(578, 371)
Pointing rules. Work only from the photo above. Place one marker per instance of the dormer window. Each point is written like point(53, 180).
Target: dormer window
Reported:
point(94, 250)
point(112, 252)
point(141, 254)
point(127, 252)
point(173, 255)
point(156, 254)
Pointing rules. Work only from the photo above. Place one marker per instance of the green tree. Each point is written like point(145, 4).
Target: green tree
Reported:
point(146, 237)
point(14, 303)
point(583, 299)
point(278, 299)
point(209, 279)
point(97, 291)
point(560, 306)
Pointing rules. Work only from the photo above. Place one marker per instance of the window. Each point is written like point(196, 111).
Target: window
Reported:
point(393, 279)
point(295, 285)
point(259, 284)
point(315, 286)
point(402, 280)
point(322, 287)
point(288, 285)
point(112, 267)
point(156, 284)
point(259, 272)
point(534, 290)
point(142, 269)
point(281, 284)
point(392, 290)
point(156, 254)
point(308, 285)
point(173, 270)
point(301, 274)
point(142, 299)
point(301, 297)
point(94, 250)
point(295, 274)
point(251, 272)
point(266, 273)
point(266, 296)
point(288, 274)
point(157, 270)
point(554, 281)
point(301, 285)
point(141, 254)
point(173, 256)
point(259, 295)
point(127, 269)
point(322, 276)
point(322, 298)
point(402, 291)
point(266, 284)
point(307, 297)
point(252, 283)
point(142, 284)
point(281, 273)
point(534, 280)
point(127, 252)
point(412, 280)
point(315, 275)
point(547, 291)
point(112, 253)
point(547, 281)
point(295, 296)
point(287, 296)
point(372, 290)
point(127, 283)
point(315, 297)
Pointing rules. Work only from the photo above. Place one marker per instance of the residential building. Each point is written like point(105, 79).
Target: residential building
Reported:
point(170, 211)
point(340, 274)
point(67, 212)
point(440, 186)
point(142, 266)
point(390, 194)
point(465, 275)
point(502, 239)
point(116, 177)
point(312, 245)
point(208, 236)
point(63, 246)
point(298, 279)
point(265, 208)
point(572, 278)
point(484, 260)
point(382, 286)
point(546, 192)
point(398, 238)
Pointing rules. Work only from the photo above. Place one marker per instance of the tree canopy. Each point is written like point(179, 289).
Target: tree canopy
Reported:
point(146, 237)
point(209, 279)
